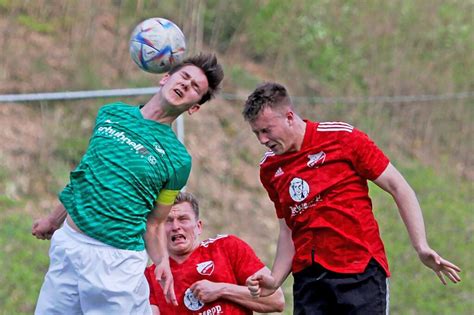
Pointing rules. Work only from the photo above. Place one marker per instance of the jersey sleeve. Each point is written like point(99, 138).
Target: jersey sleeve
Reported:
point(102, 113)
point(180, 177)
point(153, 284)
point(272, 193)
point(166, 197)
point(368, 160)
point(243, 259)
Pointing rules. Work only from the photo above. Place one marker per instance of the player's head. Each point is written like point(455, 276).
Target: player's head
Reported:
point(191, 200)
point(210, 67)
point(269, 111)
point(183, 226)
point(267, 95)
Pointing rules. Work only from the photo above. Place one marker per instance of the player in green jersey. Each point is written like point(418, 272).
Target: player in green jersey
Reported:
point(118, 197)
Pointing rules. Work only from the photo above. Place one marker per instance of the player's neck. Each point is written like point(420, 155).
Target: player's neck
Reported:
point(153, 110)
point(182, 257)
point(299, 132)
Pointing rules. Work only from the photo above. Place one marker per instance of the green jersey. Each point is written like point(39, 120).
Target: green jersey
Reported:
point(116, 185)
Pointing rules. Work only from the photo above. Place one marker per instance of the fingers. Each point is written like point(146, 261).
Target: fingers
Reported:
point(445, 268)
point(441, 277)
point(42, 236)
point(254, 288)
point(172, 295)
point(449, 270)
point(255, 292)
point(449, 264)
point(253, 284)
point(167, 286)
point(451, 274)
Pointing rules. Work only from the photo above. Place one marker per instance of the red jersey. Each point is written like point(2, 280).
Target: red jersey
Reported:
point(321, 191)
point(221, 259)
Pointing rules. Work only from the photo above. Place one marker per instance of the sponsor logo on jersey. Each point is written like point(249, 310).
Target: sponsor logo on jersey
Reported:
point(121, 137)
point(316, 160)
point(299, 189)
point(212, 311)
point(205, 268)
point(301, 207)
point(192, 302)
point(278, 172)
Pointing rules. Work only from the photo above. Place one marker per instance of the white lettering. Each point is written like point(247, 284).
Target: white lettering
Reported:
point(300, 208)
point(213, 310)
point(122, 138)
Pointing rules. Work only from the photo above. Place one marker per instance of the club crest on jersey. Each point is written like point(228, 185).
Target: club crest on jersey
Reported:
point(316, 160)
point(299, 189)
point(192, 302)
point(205, 268)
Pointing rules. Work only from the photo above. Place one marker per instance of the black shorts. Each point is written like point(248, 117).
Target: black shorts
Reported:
point(317, 290)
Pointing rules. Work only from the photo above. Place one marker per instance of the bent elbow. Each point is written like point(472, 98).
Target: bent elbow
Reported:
point(280, 302)
point(280, 307)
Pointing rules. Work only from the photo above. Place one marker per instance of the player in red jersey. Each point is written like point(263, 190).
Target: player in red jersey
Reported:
point(316, 175)
point(209, 276)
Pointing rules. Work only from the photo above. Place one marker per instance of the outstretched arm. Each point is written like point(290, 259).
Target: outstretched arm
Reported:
point(263, 284)
point(394, 183)
point(208, 291)
point(44, 228)
point(155, 242)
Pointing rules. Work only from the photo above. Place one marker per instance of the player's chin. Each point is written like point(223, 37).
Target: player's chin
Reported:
point(277, 150)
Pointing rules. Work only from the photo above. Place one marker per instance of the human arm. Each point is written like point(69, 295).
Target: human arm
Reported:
point(262, 284)
point(155, 242)
point(44, 228)
point(208, 291)
point(394, 183)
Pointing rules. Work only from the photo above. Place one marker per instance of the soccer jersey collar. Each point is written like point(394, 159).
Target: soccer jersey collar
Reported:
point(154, 123)
point(307, 134)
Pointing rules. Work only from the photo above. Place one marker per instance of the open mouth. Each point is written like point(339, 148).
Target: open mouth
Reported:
point(272, 147)
point(178, 92)
point(178, 237)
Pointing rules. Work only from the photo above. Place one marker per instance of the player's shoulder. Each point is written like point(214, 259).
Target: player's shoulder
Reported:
point(221, 240)
point(334, 127)
point(116, 107)
point(150, 269)
point(337, 130)
point(267, 157)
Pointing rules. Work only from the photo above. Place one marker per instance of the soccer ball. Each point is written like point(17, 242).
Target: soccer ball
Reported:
point(157, 44)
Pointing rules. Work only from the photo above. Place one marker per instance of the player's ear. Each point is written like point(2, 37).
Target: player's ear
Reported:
point(194, 109)
point(164, 79)
point(290, 116)
point(199, 226)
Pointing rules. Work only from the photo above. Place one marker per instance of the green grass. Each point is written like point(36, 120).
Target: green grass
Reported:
point(447, 209)
point(23, 261)
point(35, 25)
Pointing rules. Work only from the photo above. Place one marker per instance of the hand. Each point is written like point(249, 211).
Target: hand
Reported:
point(207, 291)
point(261, 285)
point(165, 279)
point(44, 228)
point(440, 266)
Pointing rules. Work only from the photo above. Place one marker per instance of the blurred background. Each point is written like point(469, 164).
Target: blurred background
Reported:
point(400, 70)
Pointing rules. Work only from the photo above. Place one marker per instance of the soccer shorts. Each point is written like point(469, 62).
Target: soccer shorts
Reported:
point(86, 276)
point(317, 290)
